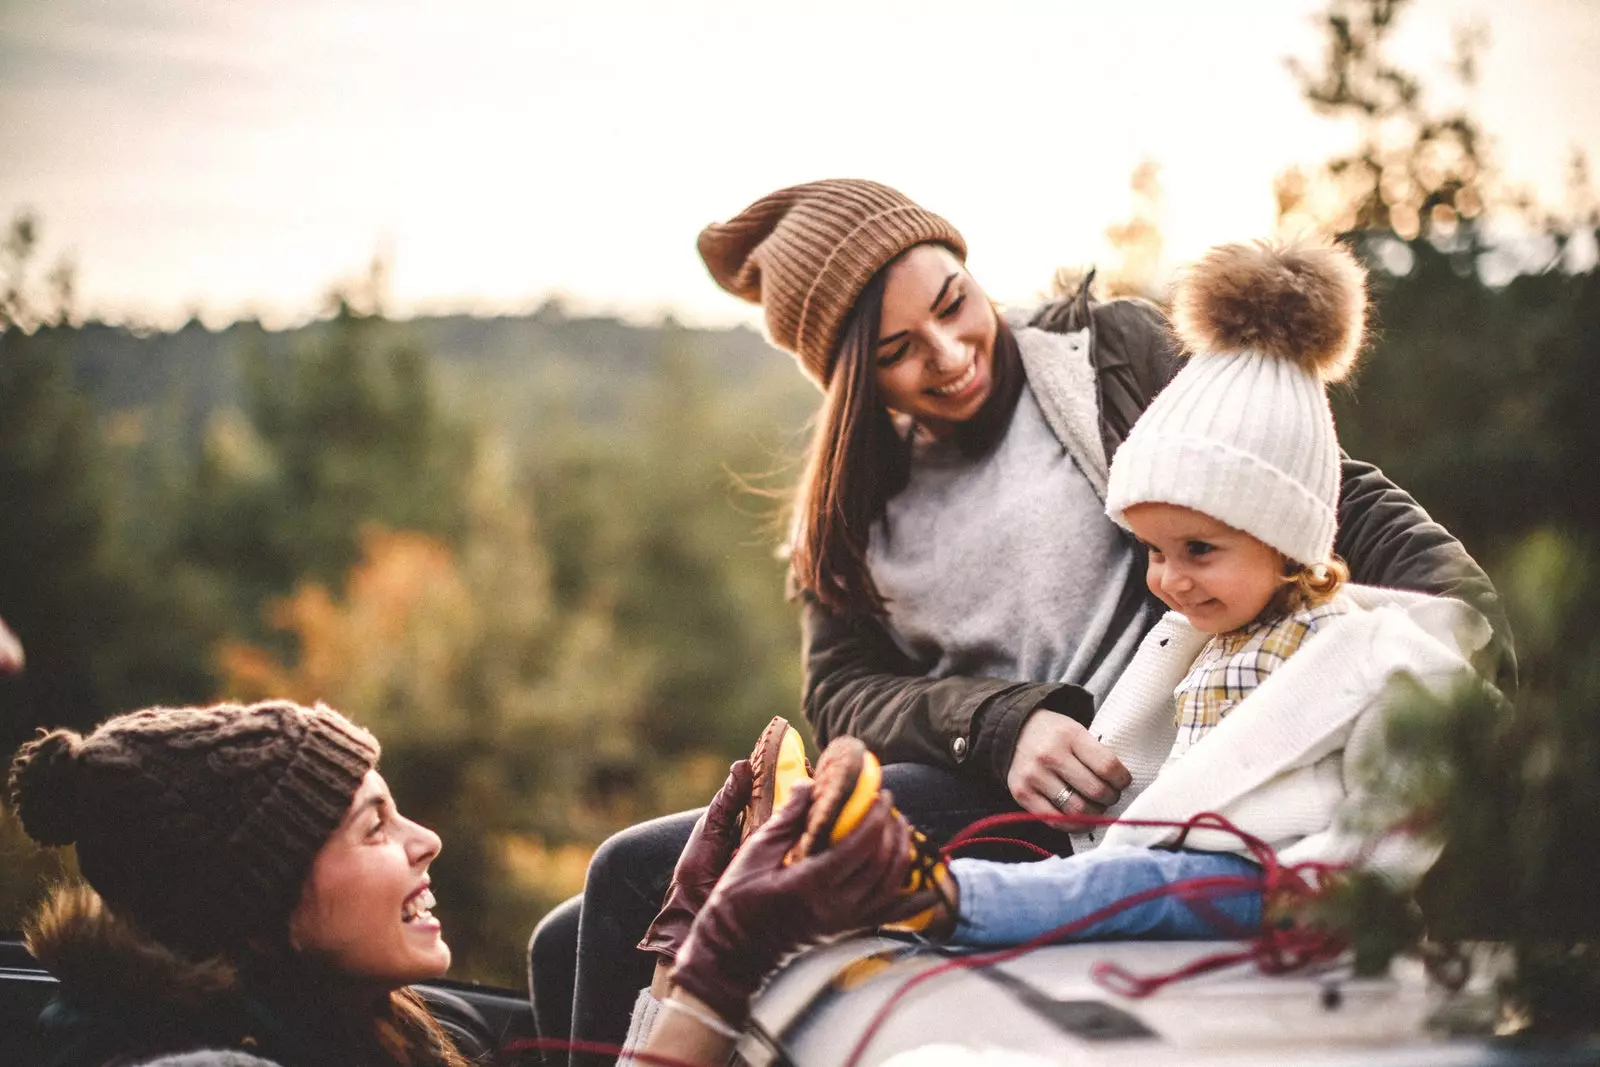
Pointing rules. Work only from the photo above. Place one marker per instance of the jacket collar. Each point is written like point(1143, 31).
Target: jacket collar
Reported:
point(123, 992)
point(1063, 380)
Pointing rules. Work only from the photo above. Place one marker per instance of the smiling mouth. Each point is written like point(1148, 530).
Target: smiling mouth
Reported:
point(960, 384)
point(418, 906)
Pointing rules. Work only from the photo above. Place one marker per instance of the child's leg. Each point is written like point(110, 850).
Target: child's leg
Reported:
point(1009, 903)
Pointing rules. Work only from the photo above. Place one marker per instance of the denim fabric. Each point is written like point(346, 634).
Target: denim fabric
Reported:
point(1007, 904)
point(583, 962)
point(628, 877)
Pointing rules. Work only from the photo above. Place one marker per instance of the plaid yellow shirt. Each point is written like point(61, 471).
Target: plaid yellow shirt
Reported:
point(1230, 665)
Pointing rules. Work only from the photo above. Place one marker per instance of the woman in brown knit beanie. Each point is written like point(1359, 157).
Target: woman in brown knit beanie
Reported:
point(966, 600)
point(251, 891)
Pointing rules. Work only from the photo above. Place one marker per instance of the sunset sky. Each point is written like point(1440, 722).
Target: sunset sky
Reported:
point(238, 158)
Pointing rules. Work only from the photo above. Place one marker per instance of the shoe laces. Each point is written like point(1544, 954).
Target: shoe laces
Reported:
point(927, 866)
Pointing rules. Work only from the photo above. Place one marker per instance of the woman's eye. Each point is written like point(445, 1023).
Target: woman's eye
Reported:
point(894, 357)
point(955, 306)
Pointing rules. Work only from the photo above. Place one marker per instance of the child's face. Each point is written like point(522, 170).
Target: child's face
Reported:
point(1217, 577)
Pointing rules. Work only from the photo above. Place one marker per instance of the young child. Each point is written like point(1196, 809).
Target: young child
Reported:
point(1230, 480)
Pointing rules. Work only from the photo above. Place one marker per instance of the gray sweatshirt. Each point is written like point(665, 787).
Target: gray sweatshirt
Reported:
point(1006, 566)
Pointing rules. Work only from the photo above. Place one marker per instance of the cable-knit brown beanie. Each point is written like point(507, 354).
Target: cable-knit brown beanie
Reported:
point(805, 253)
point(198, 824)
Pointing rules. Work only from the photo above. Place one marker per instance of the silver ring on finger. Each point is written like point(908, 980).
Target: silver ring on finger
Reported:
point(1059, 801)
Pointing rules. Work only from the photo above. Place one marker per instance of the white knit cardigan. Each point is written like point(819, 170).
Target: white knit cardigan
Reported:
point(1283, 764)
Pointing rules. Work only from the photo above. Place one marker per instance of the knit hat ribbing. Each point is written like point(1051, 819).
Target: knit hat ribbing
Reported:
point(1244, 432)
point(199, 824)
point(805, 253)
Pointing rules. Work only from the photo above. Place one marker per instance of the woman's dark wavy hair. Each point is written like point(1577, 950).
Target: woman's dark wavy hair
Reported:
point(858, 459)
point(343, 1023)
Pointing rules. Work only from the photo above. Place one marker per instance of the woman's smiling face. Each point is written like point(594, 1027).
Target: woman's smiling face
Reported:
point(364, 909)
point(935, 356)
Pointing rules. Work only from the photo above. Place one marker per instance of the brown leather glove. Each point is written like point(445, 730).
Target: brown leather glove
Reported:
point(704, 858)
point(761, 910)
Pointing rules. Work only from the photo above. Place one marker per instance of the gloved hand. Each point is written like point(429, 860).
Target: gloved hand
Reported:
point(762, 910)
point(704, 858)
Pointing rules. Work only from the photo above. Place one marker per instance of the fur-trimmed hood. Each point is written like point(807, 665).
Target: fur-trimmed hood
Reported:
point(92, 952)
point(128, 1000)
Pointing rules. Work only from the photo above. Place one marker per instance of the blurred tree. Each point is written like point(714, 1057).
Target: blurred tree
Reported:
point(653, 521)
point(333, 435)
point(1412, 172)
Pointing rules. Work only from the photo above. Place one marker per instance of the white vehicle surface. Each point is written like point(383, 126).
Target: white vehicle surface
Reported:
point(1045, 1007)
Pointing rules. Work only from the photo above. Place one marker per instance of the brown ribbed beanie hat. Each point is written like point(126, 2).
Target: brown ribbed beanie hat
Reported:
point(198, 824)
point(805, 253)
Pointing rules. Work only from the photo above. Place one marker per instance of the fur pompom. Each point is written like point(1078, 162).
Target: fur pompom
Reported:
point(1303, 303)
point(43, 787)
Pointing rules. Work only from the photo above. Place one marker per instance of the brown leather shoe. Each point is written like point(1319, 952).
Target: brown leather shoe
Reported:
point(779, 761)
point(847, 781)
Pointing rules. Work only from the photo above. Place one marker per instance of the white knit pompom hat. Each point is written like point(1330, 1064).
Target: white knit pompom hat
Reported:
point(1244, 433)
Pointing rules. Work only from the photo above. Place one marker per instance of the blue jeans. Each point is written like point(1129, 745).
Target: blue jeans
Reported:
point(1009, 903)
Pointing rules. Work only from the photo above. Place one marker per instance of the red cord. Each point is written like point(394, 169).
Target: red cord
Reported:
point(1275, 950)
point(1016, 842)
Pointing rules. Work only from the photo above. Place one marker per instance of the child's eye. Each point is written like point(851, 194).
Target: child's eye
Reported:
point(1200, 548)
point(1155, 553)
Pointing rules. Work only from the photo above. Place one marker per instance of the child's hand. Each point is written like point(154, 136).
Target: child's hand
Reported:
point(1059, 768)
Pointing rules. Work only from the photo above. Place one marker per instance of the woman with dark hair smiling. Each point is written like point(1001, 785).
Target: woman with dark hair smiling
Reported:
point(966, 602)
point(253, 896)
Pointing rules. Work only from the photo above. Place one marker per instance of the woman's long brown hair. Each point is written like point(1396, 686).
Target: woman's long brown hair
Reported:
point(346, 1024)
point(857, 459)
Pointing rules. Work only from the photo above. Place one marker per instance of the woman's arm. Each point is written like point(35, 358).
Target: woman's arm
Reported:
point(1389, 540)
point(676, 1027)
point(858, 683)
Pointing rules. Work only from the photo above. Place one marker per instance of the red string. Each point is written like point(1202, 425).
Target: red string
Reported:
point(1274, 949)
point(1017, 842)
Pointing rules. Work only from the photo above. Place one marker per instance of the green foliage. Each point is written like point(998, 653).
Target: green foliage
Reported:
point(1389, 922)
point(1476, 398)
point(333, 434)
point(94, 623)
point(656, 524)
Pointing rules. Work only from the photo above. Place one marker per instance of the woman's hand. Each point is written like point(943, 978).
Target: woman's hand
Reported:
point(763, 909)
point(1055, 753)
point(704, 858)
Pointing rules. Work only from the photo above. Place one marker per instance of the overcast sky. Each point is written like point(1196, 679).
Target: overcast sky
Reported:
point(239, 157)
